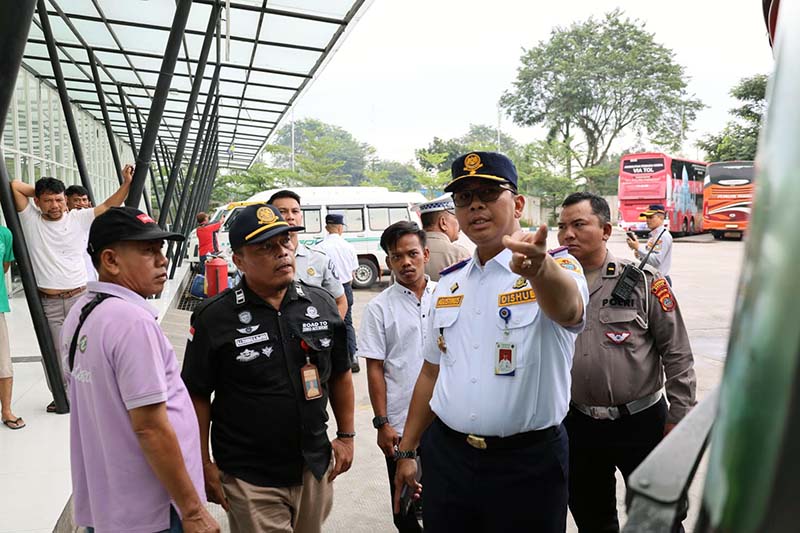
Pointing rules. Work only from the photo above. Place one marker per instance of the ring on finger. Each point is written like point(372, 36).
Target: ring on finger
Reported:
point(527, 263)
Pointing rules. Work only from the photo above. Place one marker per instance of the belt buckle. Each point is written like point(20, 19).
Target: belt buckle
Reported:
point(604, 413)
point(476, 442)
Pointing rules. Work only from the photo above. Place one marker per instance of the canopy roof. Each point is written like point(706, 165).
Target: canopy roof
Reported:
point(269, 53)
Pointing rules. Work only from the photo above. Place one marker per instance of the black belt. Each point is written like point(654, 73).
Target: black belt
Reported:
point(520, 440)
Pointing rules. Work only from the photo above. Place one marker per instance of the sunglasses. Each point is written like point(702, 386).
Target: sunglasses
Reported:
point(487, 195)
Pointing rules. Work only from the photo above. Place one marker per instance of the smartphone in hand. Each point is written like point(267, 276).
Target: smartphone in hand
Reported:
point(631, 235)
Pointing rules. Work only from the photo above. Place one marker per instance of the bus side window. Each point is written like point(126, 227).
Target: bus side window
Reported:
point(353, 219)
point(396, 214)
point(312, 220)
point(378, 218)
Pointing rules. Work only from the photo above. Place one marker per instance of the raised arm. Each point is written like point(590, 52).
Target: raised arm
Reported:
point(22, 191)
point(116, 199)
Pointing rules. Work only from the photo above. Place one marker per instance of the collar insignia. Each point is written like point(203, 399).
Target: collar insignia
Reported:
point(453, 287)
point(311, 271)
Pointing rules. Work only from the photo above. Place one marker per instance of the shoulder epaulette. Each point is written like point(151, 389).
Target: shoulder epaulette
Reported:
point(456, 266)
point(208, 302)
point(651, 270)
point(556, 251)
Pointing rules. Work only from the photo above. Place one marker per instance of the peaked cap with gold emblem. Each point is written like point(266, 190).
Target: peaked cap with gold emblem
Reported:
point(257, 223)
point(492, 166)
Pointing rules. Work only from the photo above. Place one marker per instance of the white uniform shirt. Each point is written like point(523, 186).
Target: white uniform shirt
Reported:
point(661, 258)
point(468, 396)
point(57, 247)
point(394, 328)
point(342, 253)
point(316, 268)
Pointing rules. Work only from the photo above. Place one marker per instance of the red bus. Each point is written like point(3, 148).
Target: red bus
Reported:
point(655, 178)
point(727, 196)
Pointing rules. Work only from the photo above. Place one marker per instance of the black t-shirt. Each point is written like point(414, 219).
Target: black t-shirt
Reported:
point(250, 356)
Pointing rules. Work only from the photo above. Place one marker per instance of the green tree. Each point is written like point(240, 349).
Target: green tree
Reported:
point(479, 137)
point(597, 79)
point(341, 154)
point(541, 170)
point(242, 184)
point(432, 180)
point(401, 177)
point(739, 137)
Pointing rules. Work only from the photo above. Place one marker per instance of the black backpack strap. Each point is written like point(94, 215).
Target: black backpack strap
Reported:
point(88, 308)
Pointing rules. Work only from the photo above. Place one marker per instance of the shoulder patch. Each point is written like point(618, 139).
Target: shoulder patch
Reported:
point(662, 291)
point(568, 263)
point(454, 267)
point(556, 251)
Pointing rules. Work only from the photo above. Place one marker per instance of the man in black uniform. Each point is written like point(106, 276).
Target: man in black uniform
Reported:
point(272, 350)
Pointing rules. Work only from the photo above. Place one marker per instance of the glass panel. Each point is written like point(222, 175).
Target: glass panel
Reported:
point(396, 214)
point(378, 218)
point(312, 220)
point(353, 218)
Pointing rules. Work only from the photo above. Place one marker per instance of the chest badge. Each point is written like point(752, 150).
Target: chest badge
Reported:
point(245, 317)
point(618, 337)
point(520, 283)
point(311, 312)
point(325, 343)
point(246, 356)
point(267, 351)
point(249, 329)
point(311, 271)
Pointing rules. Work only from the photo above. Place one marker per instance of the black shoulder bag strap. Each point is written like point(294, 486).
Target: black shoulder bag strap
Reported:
point(88, 308)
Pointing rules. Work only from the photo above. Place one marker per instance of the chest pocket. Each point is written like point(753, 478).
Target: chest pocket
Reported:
point(618, 325)
point(320, 343)
point(517, 328)
point(443, 319)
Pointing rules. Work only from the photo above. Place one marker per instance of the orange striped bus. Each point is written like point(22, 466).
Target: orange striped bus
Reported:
point(727, 197)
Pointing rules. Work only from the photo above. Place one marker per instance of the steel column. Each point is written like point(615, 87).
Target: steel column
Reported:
point(106, 118)
point(190, 107)
point(159, 100)
point(15, 22)
point(69, 118)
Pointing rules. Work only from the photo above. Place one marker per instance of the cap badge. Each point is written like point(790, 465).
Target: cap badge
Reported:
point(472, 163)
point(245, 317)
point(311, 312)
point(265, 215)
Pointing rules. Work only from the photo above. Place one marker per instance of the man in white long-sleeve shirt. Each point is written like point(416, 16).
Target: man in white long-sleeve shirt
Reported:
point(661, 257)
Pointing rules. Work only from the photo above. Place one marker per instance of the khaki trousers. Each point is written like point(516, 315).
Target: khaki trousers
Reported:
point(300, 509)
point(56, 310)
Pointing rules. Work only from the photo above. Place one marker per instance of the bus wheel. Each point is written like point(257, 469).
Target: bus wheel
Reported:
point(691, 226)
point(366, 274)
point(684, 227)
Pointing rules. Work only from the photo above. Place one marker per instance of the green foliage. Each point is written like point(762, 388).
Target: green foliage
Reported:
point(242, 184)
point(739, 137)
point(432, 180)
point(325, 154)
point(403, 177)
point(597, 79)
point(479, 137)
point(602, 178)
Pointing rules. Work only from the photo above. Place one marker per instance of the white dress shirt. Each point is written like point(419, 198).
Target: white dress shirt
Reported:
point(394, 328)
point(342, 254)
point(469, 397)
point(661, 258)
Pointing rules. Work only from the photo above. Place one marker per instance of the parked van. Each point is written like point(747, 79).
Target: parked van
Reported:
point(367, 212)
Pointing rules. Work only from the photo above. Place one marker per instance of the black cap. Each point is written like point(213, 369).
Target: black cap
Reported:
point(486, 165)
point(125, 224)
point(334, 218)
point(257, 223)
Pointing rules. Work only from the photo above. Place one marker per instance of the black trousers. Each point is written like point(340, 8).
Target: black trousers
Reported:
point(352, 348)
point(468, 490)
point(404, 523)
point(597, 449)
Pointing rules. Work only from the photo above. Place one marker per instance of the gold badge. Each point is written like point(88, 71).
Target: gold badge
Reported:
point(311, 271)
point(265, 215)
point(441, 344)
point(453, 288)
point(521, 282)
point(449, 301)
point(472, 163)
point(516, 297)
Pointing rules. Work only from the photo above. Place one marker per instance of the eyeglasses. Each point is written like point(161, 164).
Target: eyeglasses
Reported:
point(487, 195)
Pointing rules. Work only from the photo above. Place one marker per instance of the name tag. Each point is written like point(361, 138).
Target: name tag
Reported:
point(516, 297)
point(252, 339)
point(449, 301)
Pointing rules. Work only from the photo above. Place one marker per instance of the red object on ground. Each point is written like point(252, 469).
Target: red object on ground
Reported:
point(216, 276)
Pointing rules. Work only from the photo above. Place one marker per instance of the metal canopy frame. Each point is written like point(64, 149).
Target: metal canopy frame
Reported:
point(274, 52)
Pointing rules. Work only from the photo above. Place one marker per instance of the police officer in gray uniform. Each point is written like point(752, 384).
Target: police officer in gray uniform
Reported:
point(312, 266)
point(618, 413)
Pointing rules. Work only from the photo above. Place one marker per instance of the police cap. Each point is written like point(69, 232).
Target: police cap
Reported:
point(492, 166)
point(258, 223)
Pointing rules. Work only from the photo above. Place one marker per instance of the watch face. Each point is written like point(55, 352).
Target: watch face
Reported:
point(378, 421)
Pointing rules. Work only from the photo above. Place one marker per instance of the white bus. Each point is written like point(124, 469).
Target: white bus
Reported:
point(367, 212)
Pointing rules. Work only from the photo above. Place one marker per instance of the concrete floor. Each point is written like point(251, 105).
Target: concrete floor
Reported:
point(705, 273)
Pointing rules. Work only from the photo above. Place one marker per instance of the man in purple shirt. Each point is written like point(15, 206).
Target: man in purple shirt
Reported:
point(135, 442)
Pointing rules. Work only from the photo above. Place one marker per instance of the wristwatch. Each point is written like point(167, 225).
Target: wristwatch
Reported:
point(379, 421)
point(405, 454)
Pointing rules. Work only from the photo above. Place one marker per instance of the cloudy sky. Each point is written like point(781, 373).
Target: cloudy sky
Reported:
point(410, 70)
